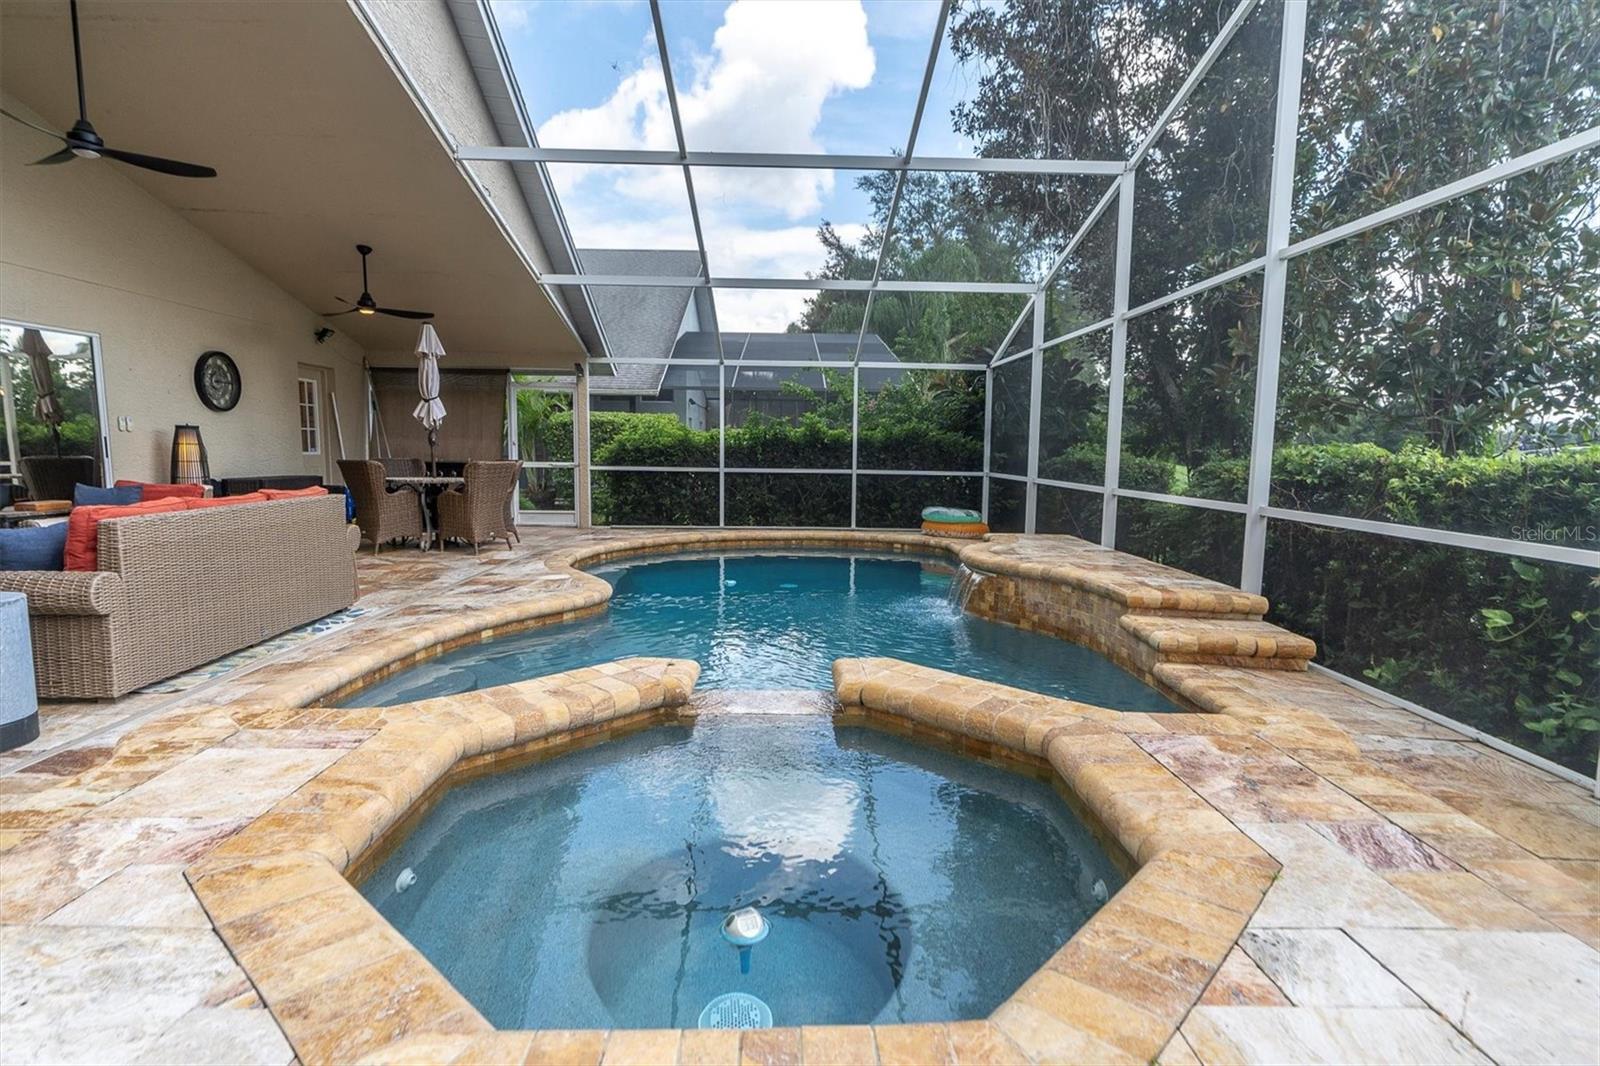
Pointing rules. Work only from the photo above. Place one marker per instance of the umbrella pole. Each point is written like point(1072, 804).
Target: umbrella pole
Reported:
point(433, 441)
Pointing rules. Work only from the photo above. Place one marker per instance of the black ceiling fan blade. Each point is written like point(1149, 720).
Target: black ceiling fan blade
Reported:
point(64, 156)
point(397, 313)
point(32, 125)
point(174, 167)
point(336, 314)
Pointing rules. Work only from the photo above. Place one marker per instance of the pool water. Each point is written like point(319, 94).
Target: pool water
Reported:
point(902, 883)
point(777, 622)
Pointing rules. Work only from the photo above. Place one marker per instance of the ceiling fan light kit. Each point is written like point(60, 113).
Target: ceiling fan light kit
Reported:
point(83, 142)
point(366, 305)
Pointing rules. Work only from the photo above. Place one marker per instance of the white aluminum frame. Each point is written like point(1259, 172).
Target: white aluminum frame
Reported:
point(514, 449)
point(1274, 285)
point(1256, 511)
point(8, 416)
point(854, 471)
point(1119, 359)
point(791, 160)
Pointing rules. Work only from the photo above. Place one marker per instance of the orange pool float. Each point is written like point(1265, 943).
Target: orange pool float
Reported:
point(954, 522)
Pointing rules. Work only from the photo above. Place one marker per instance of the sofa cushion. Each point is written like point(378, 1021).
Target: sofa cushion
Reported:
point(83, 528)
point(33, 547)
point(290, 494)
point(223, 501)
point(95, 496)
point(150, 490)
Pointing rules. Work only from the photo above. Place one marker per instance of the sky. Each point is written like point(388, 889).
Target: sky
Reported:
point(751, 75)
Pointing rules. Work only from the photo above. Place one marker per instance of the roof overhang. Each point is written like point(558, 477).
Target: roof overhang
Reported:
point(319, 145)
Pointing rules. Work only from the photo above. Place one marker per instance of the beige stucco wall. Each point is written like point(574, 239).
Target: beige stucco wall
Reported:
point(84, 248)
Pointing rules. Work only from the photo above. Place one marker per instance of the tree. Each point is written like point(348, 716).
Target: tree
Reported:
point(1474, 326)
point(942, 232)
point(1469, 327)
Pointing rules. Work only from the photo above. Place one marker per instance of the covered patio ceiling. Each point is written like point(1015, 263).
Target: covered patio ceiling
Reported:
point(318, 146)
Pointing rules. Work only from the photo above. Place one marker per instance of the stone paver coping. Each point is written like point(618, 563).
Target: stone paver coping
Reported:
point(344, 985)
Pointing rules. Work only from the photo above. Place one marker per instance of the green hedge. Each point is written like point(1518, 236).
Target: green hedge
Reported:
point(626, 498)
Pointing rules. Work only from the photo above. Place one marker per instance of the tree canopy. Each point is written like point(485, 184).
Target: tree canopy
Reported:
point(1474, 326)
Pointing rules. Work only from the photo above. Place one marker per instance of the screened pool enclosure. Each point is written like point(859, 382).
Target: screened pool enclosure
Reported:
point(1303, 297)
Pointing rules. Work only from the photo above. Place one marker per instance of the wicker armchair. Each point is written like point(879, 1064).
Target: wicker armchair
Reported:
point(478, 511)
point(381, 514)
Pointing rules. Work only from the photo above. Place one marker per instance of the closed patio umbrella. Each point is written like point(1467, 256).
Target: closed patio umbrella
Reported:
point(430, 412)
point(46, 404)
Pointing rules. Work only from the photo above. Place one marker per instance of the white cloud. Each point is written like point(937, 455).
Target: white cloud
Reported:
point(512, 14)
point(772, 66)
point(517, 14)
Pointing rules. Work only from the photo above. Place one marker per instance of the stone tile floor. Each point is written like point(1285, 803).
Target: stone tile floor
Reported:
point(1398, 928)
point(1438, 901)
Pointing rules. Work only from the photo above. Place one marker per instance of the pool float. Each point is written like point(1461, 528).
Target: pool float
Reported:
point(953, 522)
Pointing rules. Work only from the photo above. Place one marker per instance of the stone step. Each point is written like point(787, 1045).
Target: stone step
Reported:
point(1238, 641)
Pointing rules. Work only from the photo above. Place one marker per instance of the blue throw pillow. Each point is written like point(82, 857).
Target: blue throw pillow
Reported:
point(33, 547)
point(83, 495)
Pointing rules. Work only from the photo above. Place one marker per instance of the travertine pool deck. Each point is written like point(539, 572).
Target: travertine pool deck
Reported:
point(1322, 877)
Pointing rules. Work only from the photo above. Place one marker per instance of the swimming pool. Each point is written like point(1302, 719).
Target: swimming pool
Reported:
point(901, 883)
point(777, 621)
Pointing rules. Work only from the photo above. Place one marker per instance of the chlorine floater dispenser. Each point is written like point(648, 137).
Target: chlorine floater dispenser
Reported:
point(744, 929)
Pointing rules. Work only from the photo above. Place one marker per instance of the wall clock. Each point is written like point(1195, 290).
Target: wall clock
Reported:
point(216, 379)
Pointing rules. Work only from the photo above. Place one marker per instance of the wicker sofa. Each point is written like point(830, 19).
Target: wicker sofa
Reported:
point(177, 590)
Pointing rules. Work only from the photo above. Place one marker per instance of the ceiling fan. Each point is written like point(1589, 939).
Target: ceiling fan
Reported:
point(82, 142)
point(366, 305)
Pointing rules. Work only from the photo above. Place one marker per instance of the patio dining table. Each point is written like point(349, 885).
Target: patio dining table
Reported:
point(427, 490)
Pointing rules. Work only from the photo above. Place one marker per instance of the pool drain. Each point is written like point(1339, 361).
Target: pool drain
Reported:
point(736, 1010)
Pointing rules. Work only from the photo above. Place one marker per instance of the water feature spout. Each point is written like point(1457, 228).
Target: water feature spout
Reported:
point(963, 585)
point(744, 929)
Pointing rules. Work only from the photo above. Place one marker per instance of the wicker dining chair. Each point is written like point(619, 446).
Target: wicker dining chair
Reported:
point(478, 510)
point(403, 467)
point(381, 514)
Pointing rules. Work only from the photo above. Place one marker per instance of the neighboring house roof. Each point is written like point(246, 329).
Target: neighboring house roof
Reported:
point(751, 358)
point(640, 323)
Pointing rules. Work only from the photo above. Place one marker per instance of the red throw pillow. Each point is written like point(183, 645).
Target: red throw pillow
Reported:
point(289, 494)
point(83, 528)
point(172, 492)
point(223, 501)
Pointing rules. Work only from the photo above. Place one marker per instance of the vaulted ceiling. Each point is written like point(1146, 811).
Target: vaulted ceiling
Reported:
point(318, 146)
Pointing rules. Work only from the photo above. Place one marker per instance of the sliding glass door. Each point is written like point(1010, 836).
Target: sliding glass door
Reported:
point(52, 401)
point(542, 431)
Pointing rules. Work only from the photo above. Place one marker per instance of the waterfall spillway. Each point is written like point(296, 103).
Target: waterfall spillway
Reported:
point(963, 585)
